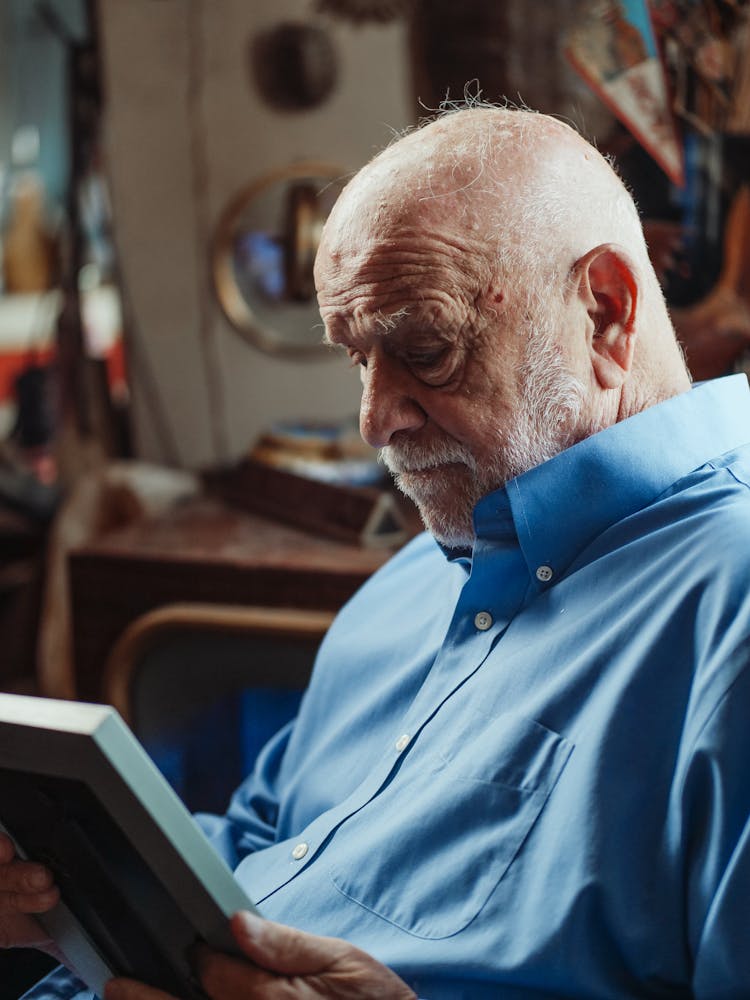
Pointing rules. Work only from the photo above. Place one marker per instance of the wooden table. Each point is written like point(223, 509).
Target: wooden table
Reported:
point(201, 551)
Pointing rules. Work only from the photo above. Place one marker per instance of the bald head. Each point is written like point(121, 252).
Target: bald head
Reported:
point(488, 273)
point(526, 196)
point(526, 179)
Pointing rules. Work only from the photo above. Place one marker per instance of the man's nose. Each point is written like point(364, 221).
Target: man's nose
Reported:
point(388, 404)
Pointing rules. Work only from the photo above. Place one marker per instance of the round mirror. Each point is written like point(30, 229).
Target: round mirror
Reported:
point(263, 253)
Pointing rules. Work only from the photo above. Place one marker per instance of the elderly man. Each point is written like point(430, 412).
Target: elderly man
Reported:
point(520, 769)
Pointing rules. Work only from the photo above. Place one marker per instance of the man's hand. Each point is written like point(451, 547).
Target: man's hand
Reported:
point(25, 888)
point(284, 963)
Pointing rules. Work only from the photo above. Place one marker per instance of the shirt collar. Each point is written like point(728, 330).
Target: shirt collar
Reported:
point(563, 504)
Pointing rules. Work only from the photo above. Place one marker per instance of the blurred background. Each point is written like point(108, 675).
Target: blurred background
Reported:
point(176, 448)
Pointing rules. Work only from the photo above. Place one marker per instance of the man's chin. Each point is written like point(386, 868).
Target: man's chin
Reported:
point(451, 536)
point(443, 525)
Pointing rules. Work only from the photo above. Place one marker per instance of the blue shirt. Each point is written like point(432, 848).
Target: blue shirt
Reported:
point(522, 772)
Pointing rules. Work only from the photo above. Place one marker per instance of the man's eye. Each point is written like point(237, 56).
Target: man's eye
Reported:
point(431, 365)
point(429, 359)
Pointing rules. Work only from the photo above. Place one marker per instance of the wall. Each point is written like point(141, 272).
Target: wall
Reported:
point(185, 130)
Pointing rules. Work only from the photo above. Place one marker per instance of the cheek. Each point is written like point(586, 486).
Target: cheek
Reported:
point(473, 422)
point(488, 402)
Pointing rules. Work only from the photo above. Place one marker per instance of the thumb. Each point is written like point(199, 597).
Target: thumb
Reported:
point(20, 930)
point(283, 949)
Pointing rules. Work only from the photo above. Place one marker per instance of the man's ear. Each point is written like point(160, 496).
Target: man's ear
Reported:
point(607, 285)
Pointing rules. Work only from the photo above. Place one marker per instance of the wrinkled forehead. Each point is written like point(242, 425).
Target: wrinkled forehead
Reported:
point(408, 194)
point(391, 245)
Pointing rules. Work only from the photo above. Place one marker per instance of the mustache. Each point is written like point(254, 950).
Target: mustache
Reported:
point(408, 456)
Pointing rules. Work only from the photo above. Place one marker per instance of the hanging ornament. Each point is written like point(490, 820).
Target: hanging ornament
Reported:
point(294, 65)
point(614, 49)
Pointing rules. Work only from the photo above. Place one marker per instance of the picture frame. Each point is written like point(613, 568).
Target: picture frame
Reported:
point(140, 883)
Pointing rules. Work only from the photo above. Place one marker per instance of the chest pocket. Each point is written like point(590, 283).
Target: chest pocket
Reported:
point(428, 850)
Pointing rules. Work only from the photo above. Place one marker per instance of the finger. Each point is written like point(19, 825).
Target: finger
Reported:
point(7, 849)
point(26, 887)
point(225, 978)
point(130, 989)
point(284, 949)
point(276, 953)
point(21, 931)
point(28, 902)
point(293, 963)
point(25, 876)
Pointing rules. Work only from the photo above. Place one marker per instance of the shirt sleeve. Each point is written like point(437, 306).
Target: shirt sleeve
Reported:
point(717, 796)
point(249, 824)
point(60, 984)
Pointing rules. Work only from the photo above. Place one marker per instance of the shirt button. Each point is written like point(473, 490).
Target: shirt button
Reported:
point(402, 742)
point(544, 573)
point(300, 851)
point(483, 620)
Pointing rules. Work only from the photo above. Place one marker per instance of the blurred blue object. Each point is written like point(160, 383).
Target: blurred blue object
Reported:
point(205, 686)
point(205, 758)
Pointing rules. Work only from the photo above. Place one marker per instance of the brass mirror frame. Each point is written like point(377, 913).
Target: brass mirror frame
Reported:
point(230, 297)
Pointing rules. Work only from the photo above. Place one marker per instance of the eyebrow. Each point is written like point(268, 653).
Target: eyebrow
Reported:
point(389, 321)
point(403, 321)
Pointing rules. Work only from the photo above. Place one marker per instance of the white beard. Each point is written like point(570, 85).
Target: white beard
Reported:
point(445, 480)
